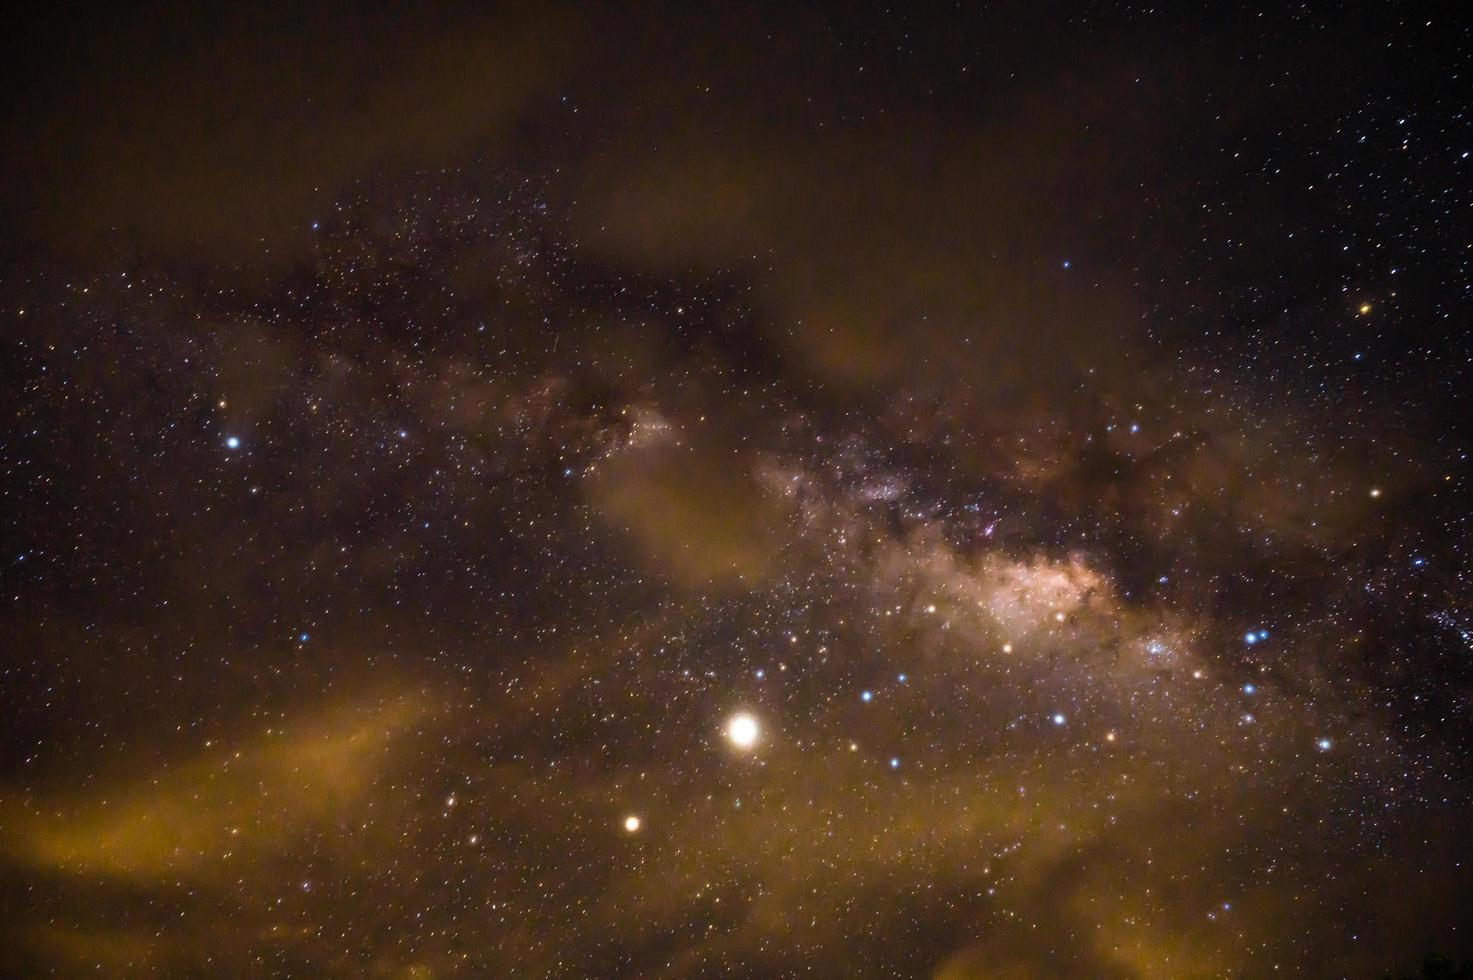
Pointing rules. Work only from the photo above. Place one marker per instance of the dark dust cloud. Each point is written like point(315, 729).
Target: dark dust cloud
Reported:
point(609, 491)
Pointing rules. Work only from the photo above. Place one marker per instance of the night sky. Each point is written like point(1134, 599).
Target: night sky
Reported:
point(630, 491)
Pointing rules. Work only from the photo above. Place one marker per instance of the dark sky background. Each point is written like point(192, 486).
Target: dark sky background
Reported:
point(766, 490)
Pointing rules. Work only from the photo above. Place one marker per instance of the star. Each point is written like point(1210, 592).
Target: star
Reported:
point(742, 730)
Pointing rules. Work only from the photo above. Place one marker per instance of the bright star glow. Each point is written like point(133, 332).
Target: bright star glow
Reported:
point(743, 731)
point(631, 824)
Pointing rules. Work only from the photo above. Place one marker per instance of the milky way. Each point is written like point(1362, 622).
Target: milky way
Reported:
point(946, 512)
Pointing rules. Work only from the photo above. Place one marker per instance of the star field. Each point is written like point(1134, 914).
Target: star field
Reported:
point(743, 493)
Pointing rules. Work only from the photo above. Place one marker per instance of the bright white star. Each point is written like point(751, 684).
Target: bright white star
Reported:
point(743, 731)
